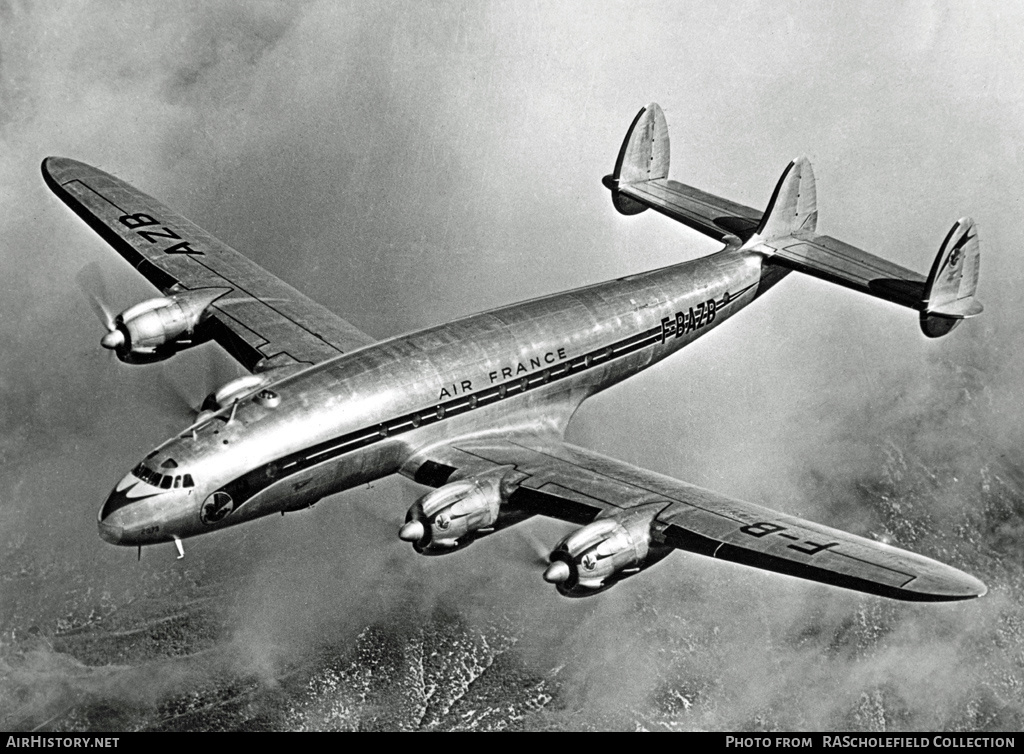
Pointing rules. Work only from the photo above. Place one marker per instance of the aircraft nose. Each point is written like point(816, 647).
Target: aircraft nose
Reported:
point(110, 533)
point(112, 522)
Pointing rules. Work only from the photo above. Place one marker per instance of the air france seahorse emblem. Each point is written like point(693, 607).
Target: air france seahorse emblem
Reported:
point(956, 256)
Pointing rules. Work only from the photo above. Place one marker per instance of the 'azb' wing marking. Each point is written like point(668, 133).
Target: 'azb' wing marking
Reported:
point(262, 322)
point(577, 485)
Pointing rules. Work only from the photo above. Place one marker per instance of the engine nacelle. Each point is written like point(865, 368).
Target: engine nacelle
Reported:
point(605, 551)
point(244, 386)
point(453, 516)
point(158, 328)
point(235, 391)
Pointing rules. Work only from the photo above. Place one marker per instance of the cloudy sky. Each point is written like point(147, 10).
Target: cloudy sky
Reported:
point(405, 163)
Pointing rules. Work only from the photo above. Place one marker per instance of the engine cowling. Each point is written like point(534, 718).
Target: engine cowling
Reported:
point(160, 327)
point(234, 391)
point(243, 387)
point(602, 553)
point(454, 515)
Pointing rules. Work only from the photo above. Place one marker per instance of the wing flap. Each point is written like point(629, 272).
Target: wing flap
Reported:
point(577, 485)
point(262, 319)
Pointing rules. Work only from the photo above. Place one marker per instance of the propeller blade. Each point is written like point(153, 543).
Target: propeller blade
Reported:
point(90, 282)
point(538, 551)
point(170, 396)
point(211, 373)
point(219, 370)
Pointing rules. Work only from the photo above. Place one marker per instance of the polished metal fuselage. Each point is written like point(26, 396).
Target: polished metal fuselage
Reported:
point(520, 368)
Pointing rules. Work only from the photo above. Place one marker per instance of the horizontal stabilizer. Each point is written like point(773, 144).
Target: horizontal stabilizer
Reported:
point(787, 237)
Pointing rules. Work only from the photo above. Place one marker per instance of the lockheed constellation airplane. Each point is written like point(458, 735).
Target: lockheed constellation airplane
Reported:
point(477, 408)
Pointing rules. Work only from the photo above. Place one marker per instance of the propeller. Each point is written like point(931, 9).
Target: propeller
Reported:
point(162, 390)
point(90, 282)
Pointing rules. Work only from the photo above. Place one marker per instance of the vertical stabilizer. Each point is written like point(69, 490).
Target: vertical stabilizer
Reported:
point(953, 281)
point(643, 157)
point(794, 205)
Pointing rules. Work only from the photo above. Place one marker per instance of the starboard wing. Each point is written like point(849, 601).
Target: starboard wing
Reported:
point(573, 484)
point(262, 321)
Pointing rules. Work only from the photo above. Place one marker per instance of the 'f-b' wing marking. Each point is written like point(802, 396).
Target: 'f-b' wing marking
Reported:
point(577, 485)
point(261, 322)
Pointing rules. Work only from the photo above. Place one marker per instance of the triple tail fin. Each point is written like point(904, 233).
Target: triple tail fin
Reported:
point(786, 233)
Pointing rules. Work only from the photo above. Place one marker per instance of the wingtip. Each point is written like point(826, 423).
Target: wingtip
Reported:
point(52, 165)
point(48, 167)
point(975, 587)
point(58, 171)
point(950, 584)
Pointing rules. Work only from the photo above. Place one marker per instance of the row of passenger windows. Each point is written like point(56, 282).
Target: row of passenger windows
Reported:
point(370, 435)
point(501, 391)
point(163, 481)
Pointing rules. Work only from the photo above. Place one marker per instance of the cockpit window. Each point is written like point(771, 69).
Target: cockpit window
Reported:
point(146, 475)
point(163, 481)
